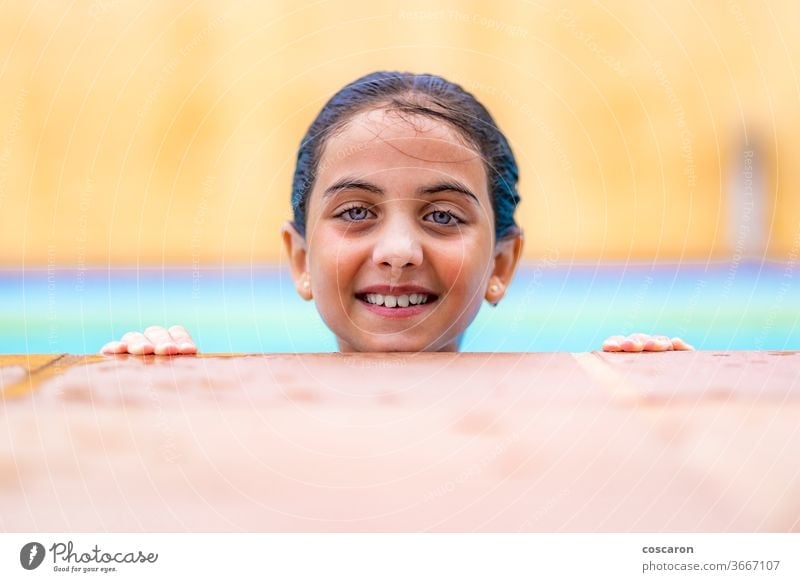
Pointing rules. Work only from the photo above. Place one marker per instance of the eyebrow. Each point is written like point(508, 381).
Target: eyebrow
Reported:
point(358, 184)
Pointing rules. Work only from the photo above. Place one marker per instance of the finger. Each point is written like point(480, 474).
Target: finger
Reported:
point(679, 344)
point(667, 343)
point(158, 335)
point(182, 339)
point(138, 344)
point(658, 343)
point(187, 349)
point(613, 343)
point(114, 348)
point(163, 343)
point(633, 343)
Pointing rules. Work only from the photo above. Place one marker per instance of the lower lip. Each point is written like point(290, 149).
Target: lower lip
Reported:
point(397, 312)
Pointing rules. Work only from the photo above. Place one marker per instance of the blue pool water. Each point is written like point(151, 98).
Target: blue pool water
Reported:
point(721, 306)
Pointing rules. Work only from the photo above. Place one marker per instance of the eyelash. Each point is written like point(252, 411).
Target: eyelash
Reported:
point(344, 212)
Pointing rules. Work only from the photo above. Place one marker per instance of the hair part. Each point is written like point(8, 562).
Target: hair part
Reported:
point(425, 95)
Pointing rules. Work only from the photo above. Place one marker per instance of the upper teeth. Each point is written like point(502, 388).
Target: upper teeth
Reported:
point(397, 300)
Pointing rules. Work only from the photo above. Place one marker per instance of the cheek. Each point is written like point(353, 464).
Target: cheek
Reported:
point(463, 267)
point(333, 263)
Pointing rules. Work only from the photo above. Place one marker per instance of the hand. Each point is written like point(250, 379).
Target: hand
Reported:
point(642, 342)
point(155, 340)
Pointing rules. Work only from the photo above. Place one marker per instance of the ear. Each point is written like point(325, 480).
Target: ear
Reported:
point(296, 250)
point(508, 250)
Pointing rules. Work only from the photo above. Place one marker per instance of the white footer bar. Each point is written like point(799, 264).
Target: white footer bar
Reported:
point(401, 557)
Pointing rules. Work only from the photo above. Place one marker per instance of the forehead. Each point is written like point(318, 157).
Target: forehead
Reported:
point(379, 141)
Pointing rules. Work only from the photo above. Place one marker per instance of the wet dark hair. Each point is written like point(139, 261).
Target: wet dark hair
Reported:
point(427, 95)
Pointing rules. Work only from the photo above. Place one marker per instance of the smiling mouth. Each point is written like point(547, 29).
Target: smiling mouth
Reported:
point(397, 301)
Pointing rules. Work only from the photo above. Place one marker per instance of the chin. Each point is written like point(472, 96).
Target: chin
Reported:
point(399, 343)
point(393, 344)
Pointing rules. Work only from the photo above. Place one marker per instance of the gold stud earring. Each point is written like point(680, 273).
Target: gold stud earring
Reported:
point(306, 284)
point(494, 288)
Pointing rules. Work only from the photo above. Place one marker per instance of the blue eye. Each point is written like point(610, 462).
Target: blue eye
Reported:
point(443, 218)
point(355, 213)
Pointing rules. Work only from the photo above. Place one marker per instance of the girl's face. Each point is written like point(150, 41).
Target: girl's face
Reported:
point(400, 248)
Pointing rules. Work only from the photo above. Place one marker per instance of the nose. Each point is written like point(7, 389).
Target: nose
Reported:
point(397, 247)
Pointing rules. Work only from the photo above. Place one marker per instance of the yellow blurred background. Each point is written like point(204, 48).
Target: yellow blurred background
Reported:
point(166, 132)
